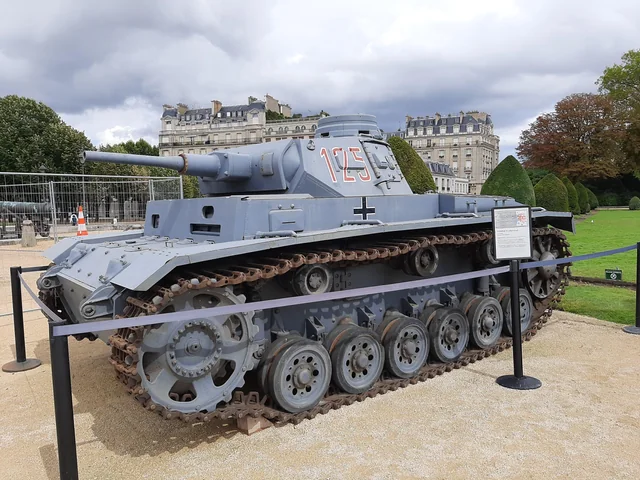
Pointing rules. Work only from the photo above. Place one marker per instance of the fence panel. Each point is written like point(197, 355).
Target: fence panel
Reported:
point(50, 201)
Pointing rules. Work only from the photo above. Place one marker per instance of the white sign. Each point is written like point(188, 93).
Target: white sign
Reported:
point(512, 233)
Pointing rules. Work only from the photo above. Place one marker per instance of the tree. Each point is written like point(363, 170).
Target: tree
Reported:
point(536, 174)
point(510, 179)
point(572, 196)
point(634, 203)
point(580, 139)
point(593, 200)
point(621, 82)
point(551, 194)
point(583, 198)
point(412, 166)
point(33, 135)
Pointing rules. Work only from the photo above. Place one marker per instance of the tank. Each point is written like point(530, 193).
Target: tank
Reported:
point(294, 218)
point(38, 213)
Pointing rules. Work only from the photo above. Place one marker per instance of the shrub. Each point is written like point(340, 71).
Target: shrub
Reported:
point(583, 198)
point(551, 194)
point(593, 200)
point(572, 196)
point(634, 203)
point(415, 170)
point(511, 180)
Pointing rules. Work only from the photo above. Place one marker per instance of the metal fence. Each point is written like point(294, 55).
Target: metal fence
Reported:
point(50, 201)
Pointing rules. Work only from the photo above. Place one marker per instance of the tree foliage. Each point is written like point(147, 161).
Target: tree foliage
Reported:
point(580, 139)
point(593, 200)
point(583, 198)
point(510, 179)
point(551, 194)
point(536, 174)
point(634, 203)
point(572, 196)
point(621, 82)
point(417, 172)
point(32, 136)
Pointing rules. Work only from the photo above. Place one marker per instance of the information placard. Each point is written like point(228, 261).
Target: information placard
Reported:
point(512, 233)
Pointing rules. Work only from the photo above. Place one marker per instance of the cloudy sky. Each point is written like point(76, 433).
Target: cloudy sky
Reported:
point(107, 67)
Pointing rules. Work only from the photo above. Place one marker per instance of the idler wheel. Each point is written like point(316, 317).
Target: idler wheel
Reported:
point(299, 376)
point(487, 253)
point(406, 345)
point(485, 321)
point(357, 359)
point(449, 334)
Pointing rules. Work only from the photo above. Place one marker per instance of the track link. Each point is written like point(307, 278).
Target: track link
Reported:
point(254, 404)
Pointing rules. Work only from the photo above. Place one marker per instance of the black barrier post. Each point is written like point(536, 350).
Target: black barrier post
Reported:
point(635, 329)
point(21, 363)
point(517, 381)
point(63, 405)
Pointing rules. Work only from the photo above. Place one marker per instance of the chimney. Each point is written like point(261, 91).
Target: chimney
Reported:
point(407, 119)
point(461, 115)
point(216, 105)
point(166, 107)
point(182, 108)
point(437, 117)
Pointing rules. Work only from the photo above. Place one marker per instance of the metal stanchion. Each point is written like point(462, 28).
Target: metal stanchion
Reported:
point(635, 329)
point(517, 381)
point(63, 405)
point(21, 363)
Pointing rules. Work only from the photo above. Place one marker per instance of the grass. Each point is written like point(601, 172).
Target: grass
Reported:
point(614, 304)
point(606, 230)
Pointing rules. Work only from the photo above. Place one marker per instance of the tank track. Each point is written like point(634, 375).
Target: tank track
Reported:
point(254, 404)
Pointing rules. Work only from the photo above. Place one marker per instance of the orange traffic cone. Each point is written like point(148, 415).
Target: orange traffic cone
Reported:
point(82, 227)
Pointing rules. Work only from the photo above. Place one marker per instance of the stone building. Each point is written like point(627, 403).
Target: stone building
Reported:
point(465, 142)
point(203, 130)
point(447, 181)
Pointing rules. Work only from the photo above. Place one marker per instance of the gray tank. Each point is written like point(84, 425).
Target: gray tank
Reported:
point(292, 218)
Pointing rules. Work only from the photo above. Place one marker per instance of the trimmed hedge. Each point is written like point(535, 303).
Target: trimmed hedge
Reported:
point(511, 180)
point(572, 195)
point(551, 194)
point(634, 204)
point(593, 200)
point(414, 169)
point(583, 198)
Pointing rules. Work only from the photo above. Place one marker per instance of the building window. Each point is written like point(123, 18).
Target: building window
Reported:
point(456, 128)
point(455, 153)
point(455, 142)
point(441, 154)
point(441, 142)
point(429, 130)
point(468, 153)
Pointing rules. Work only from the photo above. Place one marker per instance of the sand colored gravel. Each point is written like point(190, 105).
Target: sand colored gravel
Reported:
point(583, 423)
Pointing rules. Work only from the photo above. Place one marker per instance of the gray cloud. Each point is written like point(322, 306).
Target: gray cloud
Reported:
point(107, 67)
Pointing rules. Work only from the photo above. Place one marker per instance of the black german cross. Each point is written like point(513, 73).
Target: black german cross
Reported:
point(364, 210)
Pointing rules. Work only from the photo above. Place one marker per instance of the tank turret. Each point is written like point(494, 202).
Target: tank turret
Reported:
point(347, 157)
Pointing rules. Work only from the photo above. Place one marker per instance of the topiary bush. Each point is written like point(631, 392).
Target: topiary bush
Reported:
point(634, 203)
point(593, 200)
point(551, 194)
point(414, 169)
point(583, 198)
point(511, 180)
point(572, 196)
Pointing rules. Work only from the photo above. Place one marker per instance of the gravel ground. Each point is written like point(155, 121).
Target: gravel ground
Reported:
point(583, 423)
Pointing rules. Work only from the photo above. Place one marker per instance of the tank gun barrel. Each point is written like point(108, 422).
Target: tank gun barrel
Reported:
point(217, 165)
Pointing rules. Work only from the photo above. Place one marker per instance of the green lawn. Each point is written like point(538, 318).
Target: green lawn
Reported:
point(606, 230)
point(615, 304)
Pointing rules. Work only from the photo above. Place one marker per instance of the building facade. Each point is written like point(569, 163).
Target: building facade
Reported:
point(203, 130)
point(465, 142)
point(447, 181)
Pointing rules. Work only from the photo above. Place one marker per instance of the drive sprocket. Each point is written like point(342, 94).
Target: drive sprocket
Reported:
point(192, 366)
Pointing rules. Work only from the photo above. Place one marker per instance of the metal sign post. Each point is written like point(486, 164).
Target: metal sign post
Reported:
point(512, 234)
point(635, 329)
